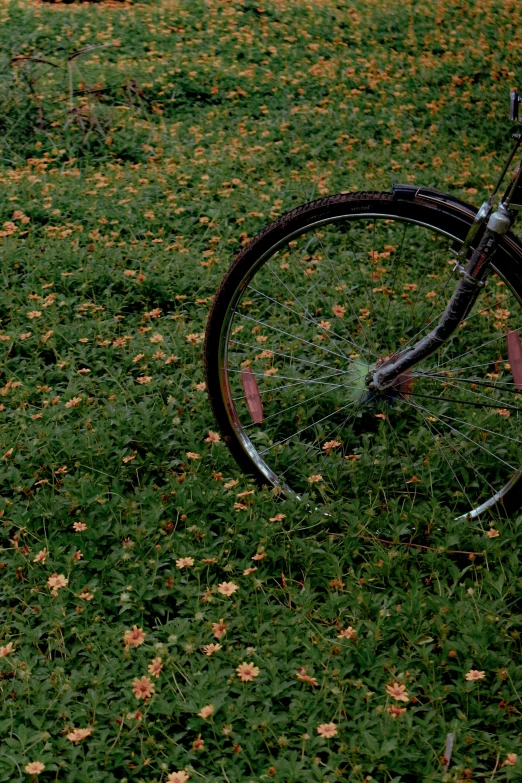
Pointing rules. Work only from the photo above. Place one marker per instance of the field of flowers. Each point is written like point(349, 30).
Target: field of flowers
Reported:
point(163, 619)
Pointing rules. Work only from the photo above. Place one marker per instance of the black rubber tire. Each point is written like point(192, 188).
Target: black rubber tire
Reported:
point(440, 211)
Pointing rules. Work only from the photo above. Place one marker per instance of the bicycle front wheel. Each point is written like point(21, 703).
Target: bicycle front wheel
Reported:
point(319, 299)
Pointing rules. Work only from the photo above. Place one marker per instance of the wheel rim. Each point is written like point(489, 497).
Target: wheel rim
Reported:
point(445, 429)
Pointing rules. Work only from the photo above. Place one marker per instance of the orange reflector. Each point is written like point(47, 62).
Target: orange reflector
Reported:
point(253, 398)
point(514, 350)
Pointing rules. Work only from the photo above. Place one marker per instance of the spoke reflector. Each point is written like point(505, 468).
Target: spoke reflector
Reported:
point(253, 398)
point(514, 349)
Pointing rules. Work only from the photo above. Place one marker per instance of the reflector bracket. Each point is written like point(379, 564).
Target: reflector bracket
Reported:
point(514, 350)
point(253, 398)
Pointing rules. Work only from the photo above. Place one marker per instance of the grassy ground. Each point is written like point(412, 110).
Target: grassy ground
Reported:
point(142, 145)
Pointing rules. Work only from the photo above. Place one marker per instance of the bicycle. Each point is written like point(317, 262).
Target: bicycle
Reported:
point(341, 352)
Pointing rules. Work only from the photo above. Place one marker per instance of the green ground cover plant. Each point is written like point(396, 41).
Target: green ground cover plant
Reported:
point(163, 618)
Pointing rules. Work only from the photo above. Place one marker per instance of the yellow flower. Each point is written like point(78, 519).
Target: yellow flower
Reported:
point(218, 629)
point(397, 690)
point(396, 711)
point(227, 588)
point(183, 562)
point(330, 445)
point(327, 730)
point(247, 671)
point(210, 649)
point(142, 687)
point(57, 581)
point(134, 637)
point(76, 735)
point(474, 674)
point(348, 633)
point(34, 767)
point(6, 650)
point(155, 667)
point(178, 777)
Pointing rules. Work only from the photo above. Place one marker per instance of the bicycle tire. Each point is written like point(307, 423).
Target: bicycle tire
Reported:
point(440, 214)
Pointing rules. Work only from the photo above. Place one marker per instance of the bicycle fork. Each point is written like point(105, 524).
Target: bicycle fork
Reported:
point(460, 304)
point(386, 373)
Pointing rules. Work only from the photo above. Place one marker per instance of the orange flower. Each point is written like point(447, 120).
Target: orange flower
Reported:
point(304, 677)
point(178, 777)
point(397, 690)
point(34, 314)
point(315, 479)
point(396, 711)
point(213, 437)
point(277, 518)
point(218, 629)
point(210, 649)
point(76, 735)
point(492, 533)
point(348, 633)
point(198, 743)
point(511, 760)
point(41, 557)
point(330, 445)
point(79, 526)
point(247, 671)
point(327, 730)
point(193, 455)
point(134, 638)
point(474, 674)
point(227, 588)
point(56, 581)
point(34, 767)
point(338, 311)
point(86, 595)
point(259, 556)
point(183, 562)
point(248, 571)
point(73, 402)
point(207, 711)
point(144, 379)
point(6, 650)
point(156, 313)
point(142, 687)
point(155, 667)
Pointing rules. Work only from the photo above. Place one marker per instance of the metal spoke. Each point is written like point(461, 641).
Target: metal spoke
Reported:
point(313, 424)
point(463, 435)
point(311, 321)
point(292, 336)
point(303, 402)
point(284, 355)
